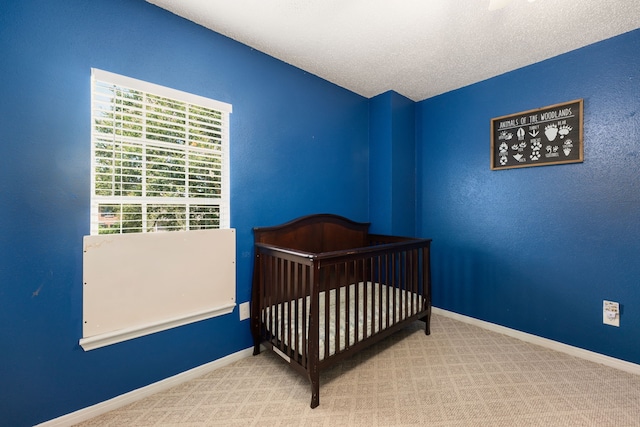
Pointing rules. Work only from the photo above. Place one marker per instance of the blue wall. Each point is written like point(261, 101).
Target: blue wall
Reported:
point(298, 146)
point(538, 249)
point(392, 164)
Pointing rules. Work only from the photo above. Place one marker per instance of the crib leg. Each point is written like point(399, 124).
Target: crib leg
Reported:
point(427, 323)
point(315, 390)
point(315, 397)
point(256, 345)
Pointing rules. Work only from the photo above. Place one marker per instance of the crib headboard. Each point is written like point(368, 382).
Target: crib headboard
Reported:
point(315, 233)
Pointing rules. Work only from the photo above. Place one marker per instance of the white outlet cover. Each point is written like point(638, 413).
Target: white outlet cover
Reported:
point(611, 313)
point(245, 311)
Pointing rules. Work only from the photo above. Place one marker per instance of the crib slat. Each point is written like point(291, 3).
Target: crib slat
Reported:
point(399, 285)
point(305, 291)
point(327, 319)
point(273, 321)
point(416, 274)
point(365, 299)
point(356, 310)
point(387, 281)
point(336, 344)
point(405, 288)
point(267, 295)
point(412, 281)
point(380, 293)
point(394, 284)
point(281, 305)
point(347, 279)
point(296, 307)
point(290, 303)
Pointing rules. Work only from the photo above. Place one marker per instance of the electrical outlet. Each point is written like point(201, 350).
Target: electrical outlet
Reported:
point(245, 311)
point(611, 313)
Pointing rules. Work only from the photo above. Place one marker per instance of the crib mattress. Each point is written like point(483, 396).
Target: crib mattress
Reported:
point(378, 301)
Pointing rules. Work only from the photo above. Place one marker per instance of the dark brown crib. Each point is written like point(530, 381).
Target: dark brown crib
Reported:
point(323, 288)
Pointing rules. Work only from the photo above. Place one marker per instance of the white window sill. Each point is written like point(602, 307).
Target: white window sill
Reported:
point(113, 337)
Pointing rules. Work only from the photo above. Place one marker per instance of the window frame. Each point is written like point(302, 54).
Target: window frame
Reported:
point(120, 81)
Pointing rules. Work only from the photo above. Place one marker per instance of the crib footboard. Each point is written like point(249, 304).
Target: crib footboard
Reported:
point(283, 284)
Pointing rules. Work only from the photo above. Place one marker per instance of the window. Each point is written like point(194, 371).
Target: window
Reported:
point(160, 158)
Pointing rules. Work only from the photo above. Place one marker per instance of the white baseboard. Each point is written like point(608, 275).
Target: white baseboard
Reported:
point(544, 342)
point(135, 395)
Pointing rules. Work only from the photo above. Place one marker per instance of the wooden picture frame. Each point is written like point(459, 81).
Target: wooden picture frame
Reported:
point(545, 136)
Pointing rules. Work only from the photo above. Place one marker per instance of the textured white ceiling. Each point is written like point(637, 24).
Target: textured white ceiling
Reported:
point(418, 48)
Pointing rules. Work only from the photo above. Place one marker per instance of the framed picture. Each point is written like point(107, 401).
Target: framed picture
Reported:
point(546, 136)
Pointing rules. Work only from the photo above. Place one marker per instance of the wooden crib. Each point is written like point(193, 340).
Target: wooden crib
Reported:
point(324, 288)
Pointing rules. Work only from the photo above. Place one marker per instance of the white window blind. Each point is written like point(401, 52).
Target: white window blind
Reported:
point(159, 158)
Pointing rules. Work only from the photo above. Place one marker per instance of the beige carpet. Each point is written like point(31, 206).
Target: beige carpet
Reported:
point(460, 375)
